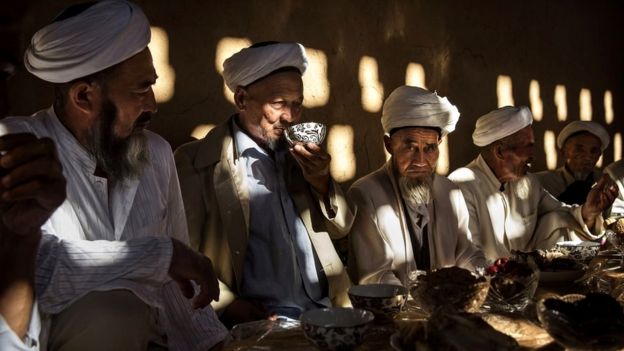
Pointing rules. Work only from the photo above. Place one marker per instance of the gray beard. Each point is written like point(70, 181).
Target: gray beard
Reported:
point(121, 159)
point(415, 191)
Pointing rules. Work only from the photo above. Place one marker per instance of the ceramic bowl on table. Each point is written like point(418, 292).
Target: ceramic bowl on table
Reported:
point(384, 300)
point(581, 251)
point(336, 328)
point(307, 132)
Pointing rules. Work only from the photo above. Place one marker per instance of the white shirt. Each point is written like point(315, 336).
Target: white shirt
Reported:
point(522, 216)
point(148, 206)
point(9, 341)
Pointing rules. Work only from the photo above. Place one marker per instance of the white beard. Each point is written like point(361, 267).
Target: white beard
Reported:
point(416, 192)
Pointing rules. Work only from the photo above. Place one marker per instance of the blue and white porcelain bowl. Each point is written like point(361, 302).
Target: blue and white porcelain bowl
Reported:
point(384, 300)
point(307, 132)
point(336, 328)
point(581, 251)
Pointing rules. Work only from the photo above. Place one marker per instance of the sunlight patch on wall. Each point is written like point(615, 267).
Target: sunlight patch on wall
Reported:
point(201, 130)
point(340, 147)
point(415, 75)
point(561, 103)
point(372, 89)
point(617, 147)
point(550, 150)
point(585, 105)
point(537, 107)
point(443, 160)
point(159, 47)
point(608, 106)
point(227, 47)
point(315, 83)
point(504, 91)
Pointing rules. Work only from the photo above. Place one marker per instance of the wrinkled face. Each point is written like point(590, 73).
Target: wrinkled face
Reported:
point(268, 106)
point(130, 90)
point(414, 152)
point(518, 154)
point(581, 152)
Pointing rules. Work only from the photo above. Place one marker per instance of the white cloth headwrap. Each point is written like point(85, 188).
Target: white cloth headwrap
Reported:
point(500, 123)
point(251, 64)
point(409, 106)
point(102, 36)
point(584, 126)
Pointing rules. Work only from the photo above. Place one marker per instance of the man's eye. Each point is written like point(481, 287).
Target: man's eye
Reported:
point(278, 104)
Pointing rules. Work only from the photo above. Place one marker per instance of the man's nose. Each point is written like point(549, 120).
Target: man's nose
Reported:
point(150, 102)
point(419, 158)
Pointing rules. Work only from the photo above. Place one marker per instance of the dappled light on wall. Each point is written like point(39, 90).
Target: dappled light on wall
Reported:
point(443, 160)
point(537, 107)
point(561, 103)
point(585, 105)
point(159, 47)
point(201, 130)
point(315, 82)
point(415, 75)
point(617, 146)
point(504, 91)
point(550, 149)
point(371, 88)
point(608, 106)
point(340, 147)
point(227, 47)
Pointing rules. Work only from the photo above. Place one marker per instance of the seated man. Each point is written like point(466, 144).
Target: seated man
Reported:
point(265, 214)
point(616, 172)
point(31, 188)
point(121, 183)
point(407, 216)
point(580, 144)
point(509, 209)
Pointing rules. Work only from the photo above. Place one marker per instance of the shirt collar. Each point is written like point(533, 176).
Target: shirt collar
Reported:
point(244, 142)
point(66, 142)
point(491, 177)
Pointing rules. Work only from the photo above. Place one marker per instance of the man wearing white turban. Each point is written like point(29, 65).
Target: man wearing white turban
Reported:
point(407, 216)
point(509, 209)
point(122, 187)
point(580, 144)
point(265, 213)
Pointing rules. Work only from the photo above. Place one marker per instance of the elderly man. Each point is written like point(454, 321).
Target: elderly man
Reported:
point(265, 213)
point(616, 172)
point(121, 185)
point(580, 144)
point(509, 209)
point(407, 216)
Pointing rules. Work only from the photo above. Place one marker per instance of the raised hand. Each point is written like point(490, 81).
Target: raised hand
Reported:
point(32, 185)
point(600, 197)
point(314, 162)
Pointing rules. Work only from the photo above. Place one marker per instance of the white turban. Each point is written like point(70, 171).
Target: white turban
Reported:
point(251, 64)
point(101, 36)
point(500, 123)
point(583, 126)
point(416, 107)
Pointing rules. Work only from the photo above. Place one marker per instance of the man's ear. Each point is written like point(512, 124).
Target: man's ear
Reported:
point(497, 150)
point(84, 98)
point(388, 143)
point(240, 98)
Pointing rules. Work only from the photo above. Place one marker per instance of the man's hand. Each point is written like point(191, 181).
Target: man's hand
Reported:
point(244, 310)
point(189, 265)
point(32, 185)
point(314, 163)
point(600, 197)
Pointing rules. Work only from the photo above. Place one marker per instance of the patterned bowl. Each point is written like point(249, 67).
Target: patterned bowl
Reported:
point(308, 132)
point(384, 300)
point(336, 328)
point(579, 250)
